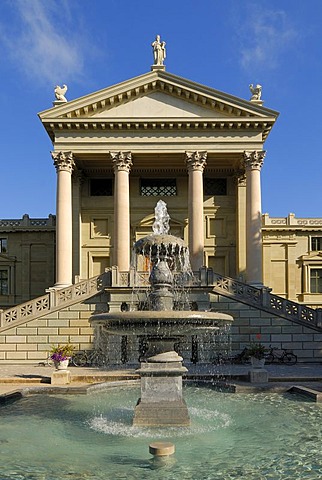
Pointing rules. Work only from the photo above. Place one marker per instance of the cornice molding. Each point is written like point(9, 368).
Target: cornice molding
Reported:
point(160, 124)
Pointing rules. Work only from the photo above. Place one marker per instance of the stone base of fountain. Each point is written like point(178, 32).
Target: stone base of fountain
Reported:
point(161, 403)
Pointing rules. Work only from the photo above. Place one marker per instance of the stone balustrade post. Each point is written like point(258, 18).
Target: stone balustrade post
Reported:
point(196, 162)
point(253, 162)
point(64, 164)
point(122, 162)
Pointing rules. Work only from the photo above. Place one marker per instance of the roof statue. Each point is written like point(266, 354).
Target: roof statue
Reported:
point(60, 93)
point(256, 92)
point(159, 52)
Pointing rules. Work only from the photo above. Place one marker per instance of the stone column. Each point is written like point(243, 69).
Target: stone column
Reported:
point(122, 162)
point(64, 164)
point(253, 162)
point(196, 162)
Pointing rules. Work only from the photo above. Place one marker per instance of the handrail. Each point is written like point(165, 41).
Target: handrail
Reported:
point(52, 301)
point(262, 299)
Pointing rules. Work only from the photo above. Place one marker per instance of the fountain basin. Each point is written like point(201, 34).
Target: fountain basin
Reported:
point(160, 323)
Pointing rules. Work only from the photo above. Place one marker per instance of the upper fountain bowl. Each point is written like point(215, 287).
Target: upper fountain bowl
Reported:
point(163, 245)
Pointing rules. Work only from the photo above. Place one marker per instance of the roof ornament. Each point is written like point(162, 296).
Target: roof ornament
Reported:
point(60, 94)
point(256, 92)
point(159, 53)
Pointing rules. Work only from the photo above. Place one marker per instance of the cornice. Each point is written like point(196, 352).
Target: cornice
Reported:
point(161, 124)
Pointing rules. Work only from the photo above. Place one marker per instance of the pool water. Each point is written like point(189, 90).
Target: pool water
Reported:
point(232, 436)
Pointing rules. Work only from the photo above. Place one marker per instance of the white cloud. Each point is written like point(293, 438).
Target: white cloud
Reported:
point(40, 40)
point(265, 36)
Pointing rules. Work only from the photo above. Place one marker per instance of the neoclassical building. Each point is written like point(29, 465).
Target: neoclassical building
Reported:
point(159, 136)
point(119, 150)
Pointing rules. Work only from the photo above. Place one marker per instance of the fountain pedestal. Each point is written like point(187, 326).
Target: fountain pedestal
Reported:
point(161, 403)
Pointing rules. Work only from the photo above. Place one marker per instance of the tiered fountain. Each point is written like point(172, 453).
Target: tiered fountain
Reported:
point(161, 402)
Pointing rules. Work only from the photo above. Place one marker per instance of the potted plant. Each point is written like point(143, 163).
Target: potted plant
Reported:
point(256, 352)
point(60, 355)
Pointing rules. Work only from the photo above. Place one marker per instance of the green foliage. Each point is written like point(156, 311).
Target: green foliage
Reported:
point(256, 350)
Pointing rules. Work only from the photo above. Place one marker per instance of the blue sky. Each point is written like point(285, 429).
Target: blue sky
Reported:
point(225, 44)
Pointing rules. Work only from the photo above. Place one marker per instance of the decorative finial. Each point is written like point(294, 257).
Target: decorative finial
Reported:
point(60, 93)
point(256, 92)
point(159, 52)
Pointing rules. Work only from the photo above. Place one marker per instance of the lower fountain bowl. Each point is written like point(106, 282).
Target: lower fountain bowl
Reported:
point(160, 323)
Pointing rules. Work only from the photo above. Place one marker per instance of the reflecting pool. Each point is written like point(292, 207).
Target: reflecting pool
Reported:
point(248, 436)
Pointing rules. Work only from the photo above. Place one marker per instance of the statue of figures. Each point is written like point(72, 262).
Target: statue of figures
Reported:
point(60, 93)
point(158, 51)
point(255, 91)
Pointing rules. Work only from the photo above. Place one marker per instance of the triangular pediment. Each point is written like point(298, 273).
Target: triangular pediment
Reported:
point(153, 90)
point(158, 104)
point(4, 258)
point(158, 96)
point(312, 257)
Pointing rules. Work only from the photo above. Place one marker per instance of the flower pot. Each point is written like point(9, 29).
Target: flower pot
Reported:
point(62, 365)
point(257, 362)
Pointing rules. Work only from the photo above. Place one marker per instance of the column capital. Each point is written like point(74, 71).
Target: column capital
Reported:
point(121, 161)
point(63, 161)
point(196, 160)
point(254, 160)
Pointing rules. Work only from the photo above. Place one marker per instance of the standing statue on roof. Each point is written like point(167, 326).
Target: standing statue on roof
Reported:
point(159, 53)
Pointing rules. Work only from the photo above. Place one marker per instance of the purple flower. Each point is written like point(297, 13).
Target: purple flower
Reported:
point(58, 357)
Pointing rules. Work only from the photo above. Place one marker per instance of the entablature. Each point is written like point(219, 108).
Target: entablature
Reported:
point(164, 124)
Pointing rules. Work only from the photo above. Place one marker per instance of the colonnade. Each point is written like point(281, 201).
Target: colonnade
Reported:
point(122, 163)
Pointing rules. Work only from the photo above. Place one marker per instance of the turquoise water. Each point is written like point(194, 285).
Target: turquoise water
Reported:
point(232, 436)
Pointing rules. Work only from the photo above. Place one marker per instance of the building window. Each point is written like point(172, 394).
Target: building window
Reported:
point(4, 290)
point(316, 243)
point(3, 245)
point(316, 280)
point(158, 187)
point(101, 187)
point(215, 186)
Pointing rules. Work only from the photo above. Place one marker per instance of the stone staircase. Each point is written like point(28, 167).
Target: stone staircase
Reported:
point(258, 298)
point(53, 300)
point(263, 299)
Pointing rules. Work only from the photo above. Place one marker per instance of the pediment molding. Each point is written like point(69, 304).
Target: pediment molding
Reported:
point(221, 110)
point(312, 257)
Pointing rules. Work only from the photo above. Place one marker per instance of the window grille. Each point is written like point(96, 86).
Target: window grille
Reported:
point(158, 187)
point(101, 187)
point(215, 186)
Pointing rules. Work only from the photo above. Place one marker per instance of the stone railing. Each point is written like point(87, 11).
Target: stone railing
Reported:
point(53, 300)
point(27, 222)
point(259, 298)
point(262, 299)
point(290, 220)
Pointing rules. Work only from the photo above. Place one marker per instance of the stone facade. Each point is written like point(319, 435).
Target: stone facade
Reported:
point(292, 252)
point(116, 153)
point(27, 258)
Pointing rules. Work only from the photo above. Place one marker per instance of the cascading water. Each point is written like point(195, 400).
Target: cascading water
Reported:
point(161, 402)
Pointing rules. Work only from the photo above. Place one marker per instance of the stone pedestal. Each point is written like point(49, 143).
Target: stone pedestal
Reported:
point(258, 375)
point(60, 377)
point(161, 403)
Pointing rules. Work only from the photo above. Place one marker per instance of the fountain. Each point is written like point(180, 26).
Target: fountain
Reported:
point(161, 402)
